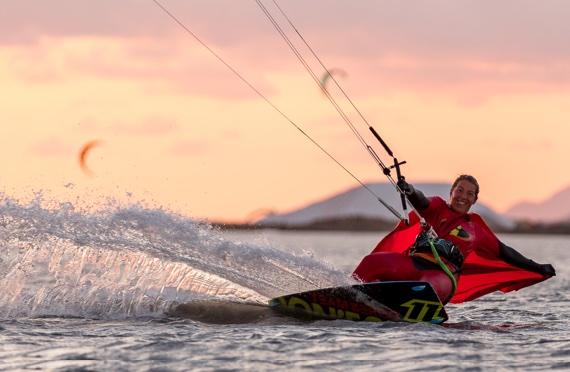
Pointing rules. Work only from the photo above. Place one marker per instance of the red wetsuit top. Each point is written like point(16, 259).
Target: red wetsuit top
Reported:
point(467, 231)
point(483, 270)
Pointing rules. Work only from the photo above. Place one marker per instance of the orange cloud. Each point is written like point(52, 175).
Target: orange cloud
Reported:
point(189, 148)
point(185, 68)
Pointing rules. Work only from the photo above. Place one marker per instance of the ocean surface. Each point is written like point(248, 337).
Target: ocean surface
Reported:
point(98, 291)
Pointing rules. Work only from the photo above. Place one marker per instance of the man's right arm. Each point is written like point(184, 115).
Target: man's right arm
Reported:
point(415, 197)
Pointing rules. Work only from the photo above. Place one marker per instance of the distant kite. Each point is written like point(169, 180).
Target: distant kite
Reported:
point(327, 75)
point(83, 155)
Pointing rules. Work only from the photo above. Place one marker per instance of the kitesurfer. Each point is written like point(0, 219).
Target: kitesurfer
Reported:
point(484, 265)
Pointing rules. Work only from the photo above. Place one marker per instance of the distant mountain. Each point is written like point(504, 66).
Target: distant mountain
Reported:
point(554, 209)
point(359, 203)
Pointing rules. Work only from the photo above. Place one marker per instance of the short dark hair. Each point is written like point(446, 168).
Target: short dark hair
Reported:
point(468, 178)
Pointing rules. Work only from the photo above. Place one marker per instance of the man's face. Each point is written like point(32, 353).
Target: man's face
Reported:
point(463, 196)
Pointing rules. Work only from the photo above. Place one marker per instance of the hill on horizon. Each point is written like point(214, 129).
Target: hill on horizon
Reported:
point(357, 202)
point(556, 208)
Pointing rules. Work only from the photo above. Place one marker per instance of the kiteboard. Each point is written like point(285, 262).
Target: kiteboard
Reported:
point(407, 301)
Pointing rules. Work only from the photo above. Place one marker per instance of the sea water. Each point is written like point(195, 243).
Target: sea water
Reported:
point(96, 291)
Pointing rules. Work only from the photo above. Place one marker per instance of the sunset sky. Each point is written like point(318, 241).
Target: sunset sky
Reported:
point(454, 86)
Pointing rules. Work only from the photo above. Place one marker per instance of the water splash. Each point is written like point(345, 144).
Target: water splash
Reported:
point(130, 261)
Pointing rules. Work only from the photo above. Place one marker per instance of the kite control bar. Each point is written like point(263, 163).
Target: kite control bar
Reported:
point(387, 170)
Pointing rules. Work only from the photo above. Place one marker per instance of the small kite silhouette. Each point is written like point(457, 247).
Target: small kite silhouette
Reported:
point(327, 75)
point(83, 155)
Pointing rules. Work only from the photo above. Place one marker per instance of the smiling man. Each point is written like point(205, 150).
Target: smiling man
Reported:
point(476, 261)
point(464, 193)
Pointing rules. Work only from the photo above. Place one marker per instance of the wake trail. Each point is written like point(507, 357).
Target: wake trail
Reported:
point(132, 261)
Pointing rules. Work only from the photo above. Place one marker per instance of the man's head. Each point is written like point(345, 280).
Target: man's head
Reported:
point(464, 193)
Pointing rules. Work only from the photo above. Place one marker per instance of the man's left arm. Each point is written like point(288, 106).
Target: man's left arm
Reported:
point(513, 257)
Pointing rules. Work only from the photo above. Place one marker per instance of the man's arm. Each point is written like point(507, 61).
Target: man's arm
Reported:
point(416, 197)
point(515, 258)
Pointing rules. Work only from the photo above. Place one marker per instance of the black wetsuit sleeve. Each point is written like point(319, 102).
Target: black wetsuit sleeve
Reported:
point(417, 198)
point(513, 257)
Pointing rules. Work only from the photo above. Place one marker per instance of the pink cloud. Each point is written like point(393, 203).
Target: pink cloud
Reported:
point(384, 45)
point(148, 127)
point(469, 82)
point(52, 147)
point(510, 29)
point(153, 126)
point(178, 66)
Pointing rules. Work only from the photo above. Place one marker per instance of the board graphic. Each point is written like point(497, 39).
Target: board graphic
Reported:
point(408, 301)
